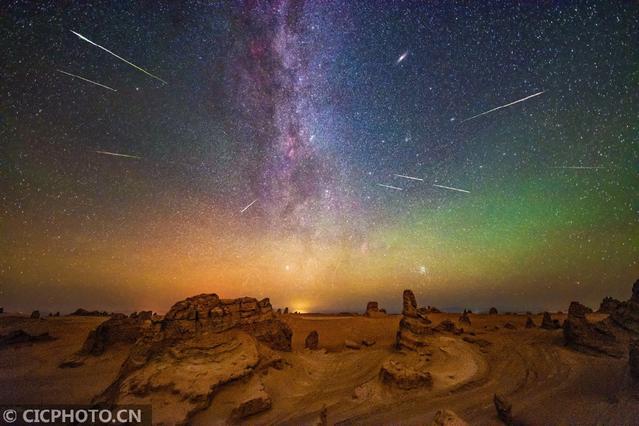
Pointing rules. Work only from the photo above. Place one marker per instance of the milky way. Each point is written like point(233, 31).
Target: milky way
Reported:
point(319, 153)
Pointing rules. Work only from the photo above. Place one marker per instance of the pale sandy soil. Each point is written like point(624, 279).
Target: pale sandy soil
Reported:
point(547, 383)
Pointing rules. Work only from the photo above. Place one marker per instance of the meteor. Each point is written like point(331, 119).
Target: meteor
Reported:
point(119, 57)
point(402, 57)
point(451, 188)
point(409, 177)
point(116, 154)
point(503, 106)
point(87, 80)
point(580, 167)
point(391, 187)
point(246, 208)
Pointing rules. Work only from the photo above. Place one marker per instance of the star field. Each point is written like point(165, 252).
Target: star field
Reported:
point(268, 163)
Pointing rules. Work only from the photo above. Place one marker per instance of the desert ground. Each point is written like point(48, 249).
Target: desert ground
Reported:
point(545, 381)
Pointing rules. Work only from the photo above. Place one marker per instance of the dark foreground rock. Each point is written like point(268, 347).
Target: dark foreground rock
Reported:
point(530, 323)
point(492, 311)
point(312, 340)
point(633, 359)
point(504, 409)
point(84, 313)
point(626, 314)
point(170, 366)
point(464, 318)
point(608, 305)
point(547, 323)
point(35, 315)
point(583, 336)
point(17, 337)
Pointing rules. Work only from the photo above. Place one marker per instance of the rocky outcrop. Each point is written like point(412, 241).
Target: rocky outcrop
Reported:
point(201, 344)
point(510, 326)
point(608, 305)
point(414, 327)
point(84, 313)
point(504, 409)
point(286, 310)
point(447, 418)
point(35, 315)
point(115, 330)
point(255, 400)
point(547, 323)
point(373, 310)
point(350, 344)
point(448, 326)
point(529, 322)
point(17, 337)
point(581, 335)
point(312, 340)
point(142, 315)
point(633, 359)
point(492, 311)
point(399, 375)
point(464, 318)
point(626, 315)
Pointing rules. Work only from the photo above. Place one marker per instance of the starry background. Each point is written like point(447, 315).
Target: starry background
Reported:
point(304, 108)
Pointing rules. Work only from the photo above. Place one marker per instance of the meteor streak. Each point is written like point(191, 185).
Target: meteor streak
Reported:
point(402, 57)
point(451, 188)
point(87, 80)
point(396, 188)
point(580, 167)
point(246, 208)
point(503, 106)
point(119, 57)
point(116, 154)
point(410, 177)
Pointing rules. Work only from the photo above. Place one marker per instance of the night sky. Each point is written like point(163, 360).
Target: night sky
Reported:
point(256, 168)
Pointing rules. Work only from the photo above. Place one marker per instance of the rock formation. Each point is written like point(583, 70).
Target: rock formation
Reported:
point(286, 310)
point(404, 377)
point(464, 318)
point(547, 323)
point(414, 326)
point(142, 315)
point(492, 311)
point(626, 315)
point(448, 326)
point(608, 305)
point(84, 313)
point(117, 329)
point(447, 418)
point(633, 358)
point(312, 340)
point(202, 343)
point(529, 322)
point(504, 409)
point(35, 315)
point(583, 336)
point(510, 326)
point(20, 336)
point(350, 344)
point(255, 400)
point(373, 310)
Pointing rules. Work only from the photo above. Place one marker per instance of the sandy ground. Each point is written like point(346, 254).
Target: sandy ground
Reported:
point(546, 382)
